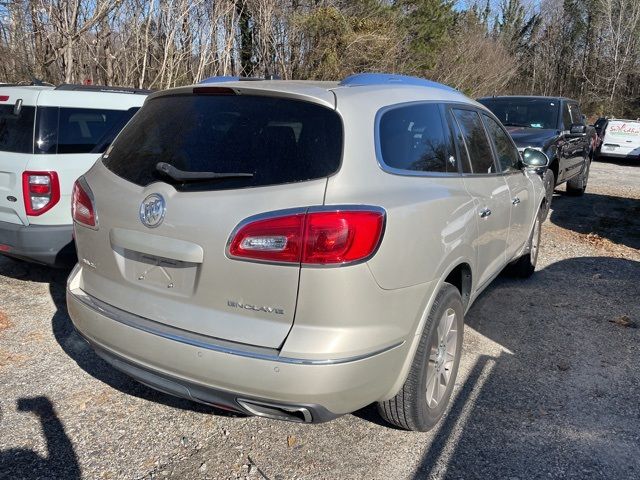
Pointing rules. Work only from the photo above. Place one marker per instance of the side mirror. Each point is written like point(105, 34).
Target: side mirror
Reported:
point(535, 159)
point(577, 130)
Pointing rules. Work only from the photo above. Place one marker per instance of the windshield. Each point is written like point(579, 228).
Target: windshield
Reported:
point(277, 140)
point(16, 131)
point(524, 112)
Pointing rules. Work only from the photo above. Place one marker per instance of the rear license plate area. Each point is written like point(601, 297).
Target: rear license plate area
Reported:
point(158, 273)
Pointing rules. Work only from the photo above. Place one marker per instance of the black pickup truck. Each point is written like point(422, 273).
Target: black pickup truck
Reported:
point(556, 126)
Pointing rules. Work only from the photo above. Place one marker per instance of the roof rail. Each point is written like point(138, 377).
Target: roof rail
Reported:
point(101, 88)
point(363, 79)
point(32, 83)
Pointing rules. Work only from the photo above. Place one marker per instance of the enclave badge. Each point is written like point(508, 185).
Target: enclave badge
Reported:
point(152, 210)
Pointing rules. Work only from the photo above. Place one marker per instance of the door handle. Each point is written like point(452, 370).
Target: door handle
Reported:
point(515, 201)
point(485, 212)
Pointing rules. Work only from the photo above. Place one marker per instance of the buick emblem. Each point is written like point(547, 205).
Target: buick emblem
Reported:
point(152, 210)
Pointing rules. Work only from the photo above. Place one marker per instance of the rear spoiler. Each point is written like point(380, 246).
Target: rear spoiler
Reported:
point(277, 88)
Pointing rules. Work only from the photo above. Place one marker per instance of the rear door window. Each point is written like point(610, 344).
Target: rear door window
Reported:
point(16, 131)
point(278, 140)
point(413, 138)
point(76, 130)
point(476, 141)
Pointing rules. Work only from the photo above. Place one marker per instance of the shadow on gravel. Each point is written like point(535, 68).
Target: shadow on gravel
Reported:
point(614, 218)
point(61, 460)
point(620, 161)
point(76, 348)
point(562, 399)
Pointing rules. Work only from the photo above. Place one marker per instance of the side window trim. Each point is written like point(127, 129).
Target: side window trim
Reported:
point(411, 173)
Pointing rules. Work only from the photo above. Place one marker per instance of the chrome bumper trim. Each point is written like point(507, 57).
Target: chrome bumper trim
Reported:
point(203, 341)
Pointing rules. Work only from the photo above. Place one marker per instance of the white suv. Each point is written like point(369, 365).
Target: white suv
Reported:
point(49, 136)
point(298, 250)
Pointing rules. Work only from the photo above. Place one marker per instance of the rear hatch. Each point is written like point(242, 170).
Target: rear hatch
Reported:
point(17, 118)
point(622, 137)
point(177, 273)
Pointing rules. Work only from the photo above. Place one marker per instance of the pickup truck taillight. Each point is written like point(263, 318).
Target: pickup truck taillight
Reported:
point(41, 192)
point(82, 208)
point(326, 237)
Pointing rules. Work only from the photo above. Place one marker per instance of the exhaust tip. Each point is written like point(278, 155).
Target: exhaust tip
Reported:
point(277, 412)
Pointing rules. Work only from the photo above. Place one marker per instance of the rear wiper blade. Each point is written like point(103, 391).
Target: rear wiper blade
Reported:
point(185, 176)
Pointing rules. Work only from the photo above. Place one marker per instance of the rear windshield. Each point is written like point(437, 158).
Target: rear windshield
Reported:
point(16, 131)
point(277, 140)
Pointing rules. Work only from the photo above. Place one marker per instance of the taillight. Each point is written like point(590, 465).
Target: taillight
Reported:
point(82, 208)
point(317, 237)
point(41, 192)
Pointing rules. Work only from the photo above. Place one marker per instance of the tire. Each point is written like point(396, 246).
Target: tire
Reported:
point(410, 409)
point(524, 266)
point(577, 185)
point(549, 180)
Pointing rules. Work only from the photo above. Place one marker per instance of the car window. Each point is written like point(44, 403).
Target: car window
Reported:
point(566, 116)
point(278, 140)
point(507, 153)
point(413, 138)
point(475, 139)
point(113, 132)
point(524, 112)
point(576, 114)
point(75, 130)
point(16, 131)
point(600, 123)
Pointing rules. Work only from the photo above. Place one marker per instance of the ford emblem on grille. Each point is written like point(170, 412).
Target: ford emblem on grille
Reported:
point(152, 210)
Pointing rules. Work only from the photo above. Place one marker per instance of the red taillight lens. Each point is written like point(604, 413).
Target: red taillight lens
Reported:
point(41, 192)
point(276, 239)
point(341, 237)
point(82, 209)
point(312, 238)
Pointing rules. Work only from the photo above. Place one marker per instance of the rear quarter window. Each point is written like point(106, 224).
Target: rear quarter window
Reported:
point(277, 140)
point(413, 138)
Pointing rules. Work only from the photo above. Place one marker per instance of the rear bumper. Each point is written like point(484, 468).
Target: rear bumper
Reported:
point(47, 244)
point(621, 154)
point(237, 377)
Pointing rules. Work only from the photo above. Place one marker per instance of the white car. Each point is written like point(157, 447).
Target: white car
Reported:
point(49, 136)
point(621, 139)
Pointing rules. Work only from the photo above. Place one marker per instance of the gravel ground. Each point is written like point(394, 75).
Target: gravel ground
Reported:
point(549, 384)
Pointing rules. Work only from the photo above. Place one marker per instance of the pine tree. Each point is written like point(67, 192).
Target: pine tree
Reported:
point(428, 24)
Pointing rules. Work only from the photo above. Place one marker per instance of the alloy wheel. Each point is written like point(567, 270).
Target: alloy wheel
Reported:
point(535, 243)
point(442, 357)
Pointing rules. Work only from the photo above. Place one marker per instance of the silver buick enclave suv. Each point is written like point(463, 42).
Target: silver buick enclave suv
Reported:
point(299, 250)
